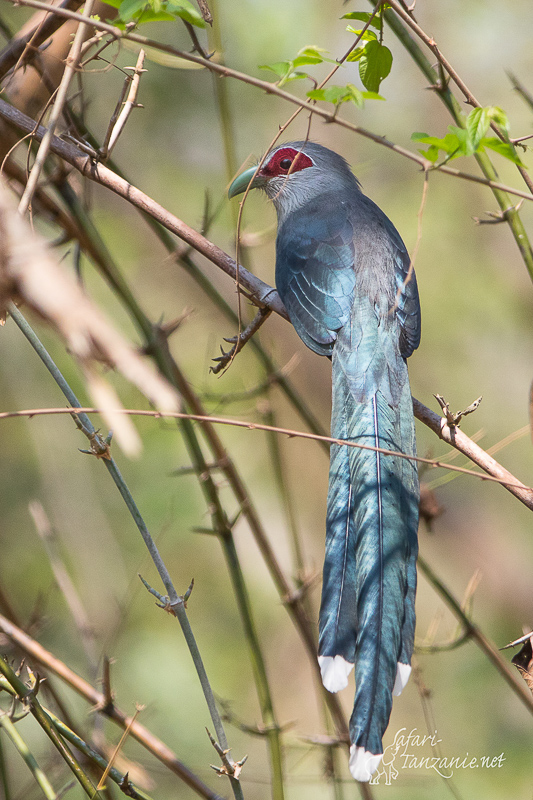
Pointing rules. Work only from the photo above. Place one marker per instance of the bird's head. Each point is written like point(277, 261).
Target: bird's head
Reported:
point(294, 173)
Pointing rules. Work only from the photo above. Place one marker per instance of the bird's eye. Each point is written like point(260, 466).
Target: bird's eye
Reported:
point(285, 163)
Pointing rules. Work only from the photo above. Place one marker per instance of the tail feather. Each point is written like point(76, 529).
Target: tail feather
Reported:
point(381, 555)
point(338, 613)
point(367, 614)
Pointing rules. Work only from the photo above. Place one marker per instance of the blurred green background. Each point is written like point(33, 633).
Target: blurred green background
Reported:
point(477, 330)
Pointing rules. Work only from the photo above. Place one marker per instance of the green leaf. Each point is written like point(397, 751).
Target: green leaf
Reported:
point(113, 3)
point(420, 137)
point(373, 96)
point(187, 12)
point(128, 8)
point(356, 54)
point(477, 125)
point(364, 16)
point(466, 145)
point(374, 65)
point(343, 94)
point(315, 53)
point(333, 94)
point(300, 61)
point(505, 149)
point(499, 116)
point(367, 36)
point(355, 95)
point(432, 153)
point(284, 70)
point(280, 67)
point(148, 15)
point(451, 145)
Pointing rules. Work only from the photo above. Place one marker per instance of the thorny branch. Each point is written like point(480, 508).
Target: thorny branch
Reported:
point(97, 701)
point(117, 127)
point(454, 436)
point(57, 110)
point(452, 426)
point(240, 340)
point(24, 47)
point(271, 88)
point(176, 603)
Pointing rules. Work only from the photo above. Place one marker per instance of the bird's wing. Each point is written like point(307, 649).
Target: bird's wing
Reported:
point(315, 274)
point(407, 303)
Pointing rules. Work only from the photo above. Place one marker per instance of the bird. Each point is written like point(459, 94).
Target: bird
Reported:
point(346, 280)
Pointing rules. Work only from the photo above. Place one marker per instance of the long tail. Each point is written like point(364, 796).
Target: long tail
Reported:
point(367, 616)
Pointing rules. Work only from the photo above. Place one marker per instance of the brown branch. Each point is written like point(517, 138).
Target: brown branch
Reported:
point(454, 436)
point(23, 48)
point(205, 11)
point(461, 85)
point(60, 100)
point(98, 701)
point(495, 472)
point(271, 88)
point(130, 104)
point(477, 635)
point(259, 292)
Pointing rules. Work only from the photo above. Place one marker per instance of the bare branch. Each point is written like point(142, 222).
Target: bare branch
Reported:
point(70, 69)
point(205, 12)
point(28, 270)
point(131, 103)
point(271, 88)
point(23, 48)
point(239, 341)
point(97, 700)
point(495, 472)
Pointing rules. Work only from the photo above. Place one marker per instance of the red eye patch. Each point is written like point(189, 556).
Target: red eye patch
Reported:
point(286, 160)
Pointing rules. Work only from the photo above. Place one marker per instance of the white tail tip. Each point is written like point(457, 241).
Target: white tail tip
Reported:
point(402, 676)
point(334, 671)
point(363, 764)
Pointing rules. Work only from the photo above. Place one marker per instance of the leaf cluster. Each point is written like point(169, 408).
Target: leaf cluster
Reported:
point(472, 138)
point(142, 11)
point(375, 59)
point(289, 70)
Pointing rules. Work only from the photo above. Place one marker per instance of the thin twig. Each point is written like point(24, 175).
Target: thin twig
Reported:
point(130, 104)
point(176, 603)
point(65, 583)
point(495, 472)
point(70, 70)
point(40, 777)
point(440, 85)
point(479, 637)
point(122, 780)
point(98, 701)
point(271, 88)
point(259, 292)
point(205, 12)
point(29, 697)
point(516, 642)
point(23, 48)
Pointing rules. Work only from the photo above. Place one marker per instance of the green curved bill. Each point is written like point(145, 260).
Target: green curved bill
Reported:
point(242, 181)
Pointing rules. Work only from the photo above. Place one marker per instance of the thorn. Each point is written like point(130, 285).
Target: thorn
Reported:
point(498, 216)
point(188, 593)
point(453, 420)
point(516, 642)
